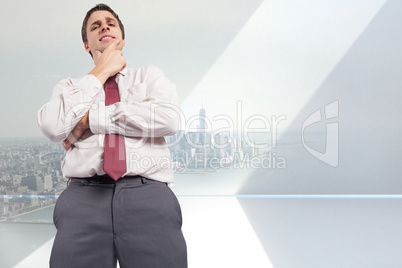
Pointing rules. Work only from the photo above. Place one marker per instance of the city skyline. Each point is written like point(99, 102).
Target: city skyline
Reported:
point(38, 180)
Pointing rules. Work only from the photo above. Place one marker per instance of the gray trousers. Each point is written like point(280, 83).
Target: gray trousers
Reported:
point(135, 220)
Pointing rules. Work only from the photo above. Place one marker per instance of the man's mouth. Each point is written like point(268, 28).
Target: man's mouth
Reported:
point(105, 37)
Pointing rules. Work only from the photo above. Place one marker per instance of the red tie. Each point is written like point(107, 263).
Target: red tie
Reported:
point(114, 158)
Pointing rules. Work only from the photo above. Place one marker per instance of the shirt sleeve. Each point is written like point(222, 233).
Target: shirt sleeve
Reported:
point(157, 115)
point(69, 102)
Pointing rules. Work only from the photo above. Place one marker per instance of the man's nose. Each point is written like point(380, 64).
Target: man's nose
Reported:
point(105, 28)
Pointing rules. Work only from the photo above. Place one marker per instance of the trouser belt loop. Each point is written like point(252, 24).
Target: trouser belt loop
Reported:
point(143, 180)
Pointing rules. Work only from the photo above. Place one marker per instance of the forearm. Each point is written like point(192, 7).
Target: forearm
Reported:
point(145, 119)
point(101, 73)
point(149, 108)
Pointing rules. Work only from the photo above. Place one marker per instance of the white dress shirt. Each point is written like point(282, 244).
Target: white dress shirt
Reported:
point(147, 112)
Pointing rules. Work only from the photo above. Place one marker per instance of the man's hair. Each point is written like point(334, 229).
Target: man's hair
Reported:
point(98, 7)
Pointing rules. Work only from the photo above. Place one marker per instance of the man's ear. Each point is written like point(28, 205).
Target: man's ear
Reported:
point(87, 47)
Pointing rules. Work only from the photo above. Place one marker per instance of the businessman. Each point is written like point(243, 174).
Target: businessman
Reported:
point(112, 123)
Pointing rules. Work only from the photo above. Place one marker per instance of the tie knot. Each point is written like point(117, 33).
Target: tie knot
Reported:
point(111, 82)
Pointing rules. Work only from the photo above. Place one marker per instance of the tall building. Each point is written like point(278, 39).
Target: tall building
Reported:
point(202, 127)
point(3, 209)
point(34, 183)
point(39, 184)
point(37, 164)
point(202, 115)
point(48, 182)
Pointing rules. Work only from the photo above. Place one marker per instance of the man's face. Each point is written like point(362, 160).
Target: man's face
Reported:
point(102, 28)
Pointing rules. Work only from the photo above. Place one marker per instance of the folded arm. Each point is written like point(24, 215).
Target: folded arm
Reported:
point(65, 117)
point(69, 103)
point(157, 115)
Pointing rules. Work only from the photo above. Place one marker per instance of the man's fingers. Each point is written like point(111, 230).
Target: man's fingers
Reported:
point(66, 144)
point(119, 42)
point(124, 66)
point(69, 141)
point(70, 138)
point(120, 45)
point(113, 45)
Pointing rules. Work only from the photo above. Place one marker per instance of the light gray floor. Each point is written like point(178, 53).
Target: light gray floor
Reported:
point(291, 232)
point(328, 232)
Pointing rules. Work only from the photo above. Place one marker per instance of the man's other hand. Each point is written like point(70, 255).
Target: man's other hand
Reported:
point(77, 132)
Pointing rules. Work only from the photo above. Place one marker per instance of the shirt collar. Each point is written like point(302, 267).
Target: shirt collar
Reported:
point(123, 72)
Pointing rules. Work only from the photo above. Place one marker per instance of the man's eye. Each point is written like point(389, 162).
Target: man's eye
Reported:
point(94, 28)
point(111, 24)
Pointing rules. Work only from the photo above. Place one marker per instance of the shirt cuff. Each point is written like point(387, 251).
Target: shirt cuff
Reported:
point(91, 84)
point(100, 119)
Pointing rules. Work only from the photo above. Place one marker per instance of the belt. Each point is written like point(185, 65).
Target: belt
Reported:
point(107, 179)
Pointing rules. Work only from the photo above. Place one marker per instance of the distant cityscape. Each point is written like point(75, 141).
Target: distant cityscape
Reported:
point(202, 151)
point(31, 176)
